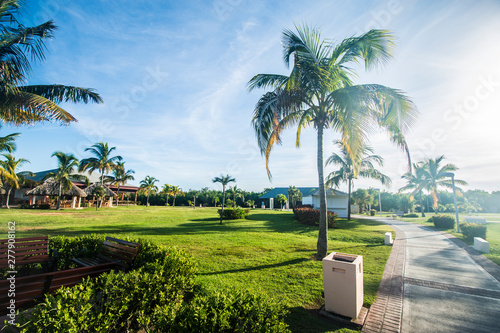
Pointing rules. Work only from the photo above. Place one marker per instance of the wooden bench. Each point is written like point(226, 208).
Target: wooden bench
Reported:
point(23, 251)
point(115, 251)
point(30, 289)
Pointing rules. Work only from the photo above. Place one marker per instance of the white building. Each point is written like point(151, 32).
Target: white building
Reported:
point(336, 201)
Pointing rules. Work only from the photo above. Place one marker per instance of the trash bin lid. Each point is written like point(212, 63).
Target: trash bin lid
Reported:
point(340, 257)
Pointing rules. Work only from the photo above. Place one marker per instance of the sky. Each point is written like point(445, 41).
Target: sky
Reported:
point(173, 77)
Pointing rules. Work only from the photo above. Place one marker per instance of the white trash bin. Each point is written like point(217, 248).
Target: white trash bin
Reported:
point(343, 283)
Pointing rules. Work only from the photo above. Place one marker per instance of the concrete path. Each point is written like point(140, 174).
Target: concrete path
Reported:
point(434, 282)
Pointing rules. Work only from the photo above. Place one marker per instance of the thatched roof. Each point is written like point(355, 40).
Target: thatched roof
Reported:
point(51, 187)
point(88, 190)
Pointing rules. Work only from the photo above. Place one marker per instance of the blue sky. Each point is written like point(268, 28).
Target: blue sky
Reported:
point(173, 78)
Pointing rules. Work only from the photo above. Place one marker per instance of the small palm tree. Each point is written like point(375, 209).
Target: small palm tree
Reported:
point(147, 185)
point(67, 164)
point(167, 190)
point(224, 180)
point(175, 191)
point(120, 176)
point(320, 93)
point(102, 160)
point(10, 176)
point(364, 164)
point(281, 198)
point(434, 175)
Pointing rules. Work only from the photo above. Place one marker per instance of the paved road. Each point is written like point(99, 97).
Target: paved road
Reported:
point(446, 286)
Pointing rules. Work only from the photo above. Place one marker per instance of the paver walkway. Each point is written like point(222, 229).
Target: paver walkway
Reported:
point(434, 282)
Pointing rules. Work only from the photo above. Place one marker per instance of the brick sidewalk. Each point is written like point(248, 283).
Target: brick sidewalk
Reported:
point(386, 312)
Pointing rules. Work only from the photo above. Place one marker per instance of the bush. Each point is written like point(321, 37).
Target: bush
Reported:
point(471, 230)
point(373, 212)
point(119, 301)
point(442, 221)
point(43, 206)
point(411, 215)
point(234, 213)
point(27, 206)
point(228, 312)
point(310, 216)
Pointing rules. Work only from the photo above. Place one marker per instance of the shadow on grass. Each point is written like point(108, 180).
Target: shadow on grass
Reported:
point(302, 320)
point(257, 268)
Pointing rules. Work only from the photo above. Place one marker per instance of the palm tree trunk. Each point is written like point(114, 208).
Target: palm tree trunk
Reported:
point(147, 200)
point(59, 196)
point(166, 202)
point(223, 201)
point(322, 245)
point(349, 201)
point(173, 205)
point(7, 199)
point(422, 205)
point(117, 195)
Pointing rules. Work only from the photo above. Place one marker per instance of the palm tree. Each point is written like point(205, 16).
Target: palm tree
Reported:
point(281, 198)
point(67, 164)
point(103, 161)
point(320, 92)
point(7, 143)
point(434, 176)
point(11, 177)
point(415, 183)
point(167, 190)
point(174, 191)
point(224, 180)
point(148, 186)
point(364, 165)
point(28, 104)
point(120, 176)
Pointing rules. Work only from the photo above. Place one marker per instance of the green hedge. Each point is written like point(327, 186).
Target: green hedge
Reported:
point(411, 215)
point(471, 230)
point(442, 221)
point(234, 213)
point(159, 295)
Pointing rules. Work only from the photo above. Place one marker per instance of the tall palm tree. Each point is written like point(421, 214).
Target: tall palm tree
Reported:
point(148, 186)
point(67, 164)
point(102, 160)
point(320, 93)
point(167, 190)
point(175, 190)
point(415, 183)
point(364, 165)
point(120, 176)
point(434, 175)
point(224, 180)
point(10, 176)
point(28, 104)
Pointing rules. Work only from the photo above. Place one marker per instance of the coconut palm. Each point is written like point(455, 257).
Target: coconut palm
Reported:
point(7, 143)
point(167, 190)
point(27, 104)
point(175, 190)
point(365, 166)
point(67, 164)
point(435, 175)
point(224, 180)
point(11, 178)
point(415, 183)
point(147, 185)
point(281, 198)
point(102, 160)
point(320, 93)
point(120, 176)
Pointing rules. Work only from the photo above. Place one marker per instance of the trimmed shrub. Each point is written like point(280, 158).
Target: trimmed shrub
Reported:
point(310, 216)
point(471, 230)
point(119, 301)
point(43, 206)
point(373, 212)
point(228, 312)
point(411, 215)
point(234, 213)
point(442, 221)
point(66, 248)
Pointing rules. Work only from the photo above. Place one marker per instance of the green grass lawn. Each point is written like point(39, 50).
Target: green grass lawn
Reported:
point(268, 253)
point(492, 235)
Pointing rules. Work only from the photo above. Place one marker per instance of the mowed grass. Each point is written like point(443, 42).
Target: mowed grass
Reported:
point(267, 253)
point(492, 233)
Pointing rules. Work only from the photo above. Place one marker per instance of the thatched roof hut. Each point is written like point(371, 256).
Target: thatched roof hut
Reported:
point(51, 187)
point(90, 189)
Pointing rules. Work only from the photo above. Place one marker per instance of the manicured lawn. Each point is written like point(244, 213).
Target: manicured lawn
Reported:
point(268, 253)
point(492, 235)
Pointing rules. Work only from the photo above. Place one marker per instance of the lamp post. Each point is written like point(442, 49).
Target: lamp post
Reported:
point(452, 175)
point(379, 200)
